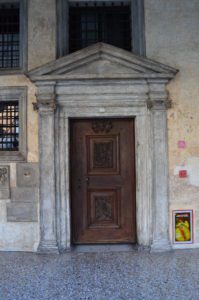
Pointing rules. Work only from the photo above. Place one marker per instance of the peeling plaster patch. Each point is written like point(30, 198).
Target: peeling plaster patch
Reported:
point(181, 193)
point(193, 166)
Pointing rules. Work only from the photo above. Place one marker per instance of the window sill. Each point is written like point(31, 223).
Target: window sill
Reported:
point(11, 71)
point(11, 156)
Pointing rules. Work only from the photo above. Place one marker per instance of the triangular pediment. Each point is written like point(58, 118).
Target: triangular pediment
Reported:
point(101, 61)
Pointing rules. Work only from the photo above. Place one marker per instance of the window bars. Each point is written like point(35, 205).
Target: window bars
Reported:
point(9, 126)
point(99, 23)
point(9, 36)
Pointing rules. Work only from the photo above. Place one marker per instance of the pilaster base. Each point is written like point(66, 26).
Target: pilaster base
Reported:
point(160, 246)
point(65, 249)
point(47, 247)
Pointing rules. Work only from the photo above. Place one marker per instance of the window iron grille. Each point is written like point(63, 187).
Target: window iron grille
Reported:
point(9, 126)
point(99, 23)
point(9, 36)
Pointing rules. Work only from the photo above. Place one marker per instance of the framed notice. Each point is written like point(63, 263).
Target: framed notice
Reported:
point(183, 226)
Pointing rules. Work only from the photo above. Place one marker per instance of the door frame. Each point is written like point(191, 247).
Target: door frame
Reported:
point(151, 159)
point(142, 166)
point(147, 102)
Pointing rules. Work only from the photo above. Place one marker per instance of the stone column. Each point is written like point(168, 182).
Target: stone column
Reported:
point(46, 107)
point(160, 213)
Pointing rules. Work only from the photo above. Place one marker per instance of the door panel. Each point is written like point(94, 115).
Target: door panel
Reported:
point(103, 181)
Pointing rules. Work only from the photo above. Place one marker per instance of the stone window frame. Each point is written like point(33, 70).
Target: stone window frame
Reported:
point(137, 21)
point(17, 94)
point(23, 39)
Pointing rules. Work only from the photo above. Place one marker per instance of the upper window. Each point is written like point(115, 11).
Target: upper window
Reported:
point(108, 24)
point(9, 35)
point(12, 37)
point(12, 123)
point(82, 23)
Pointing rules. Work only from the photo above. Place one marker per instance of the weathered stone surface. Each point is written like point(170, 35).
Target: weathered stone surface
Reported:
point(27, 174)
point(24, 194)
point(141, 80)
point(4, 194)
point(4, 182)
point(22, 212)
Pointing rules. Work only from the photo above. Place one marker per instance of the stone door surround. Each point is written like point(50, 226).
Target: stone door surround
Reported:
point(103, 81)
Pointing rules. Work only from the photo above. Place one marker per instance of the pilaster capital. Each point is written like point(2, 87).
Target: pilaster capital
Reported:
point(46, 103)
point(159, 104)
point(46, 97)
point(158, 96)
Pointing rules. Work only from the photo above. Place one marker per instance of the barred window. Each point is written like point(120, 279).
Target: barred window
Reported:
point(9, 126)
point(9, 35)
point(13, 123)
point(90, 23)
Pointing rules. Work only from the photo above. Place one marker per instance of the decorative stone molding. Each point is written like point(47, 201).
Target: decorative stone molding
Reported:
point(103, 81)
point(45, 106)
point(159, 104)
point(46, 98)
point(4, 182)
point(3, 175)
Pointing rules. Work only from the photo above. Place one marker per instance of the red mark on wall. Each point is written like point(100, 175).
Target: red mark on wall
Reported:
point(181, 144)
point(183, 173)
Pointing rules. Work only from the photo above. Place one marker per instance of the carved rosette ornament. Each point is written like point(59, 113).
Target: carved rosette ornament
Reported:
point(100, 126)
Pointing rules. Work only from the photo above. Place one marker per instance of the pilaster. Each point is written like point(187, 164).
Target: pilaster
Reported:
point(158, 104)
point(46, 106)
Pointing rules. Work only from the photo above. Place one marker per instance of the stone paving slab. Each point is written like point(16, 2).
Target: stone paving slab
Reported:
point(100, 276)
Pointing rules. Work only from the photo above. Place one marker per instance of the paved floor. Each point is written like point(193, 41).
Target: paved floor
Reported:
point(88, 276)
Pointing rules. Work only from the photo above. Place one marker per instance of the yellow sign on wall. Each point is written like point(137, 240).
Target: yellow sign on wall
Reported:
point(183, 226)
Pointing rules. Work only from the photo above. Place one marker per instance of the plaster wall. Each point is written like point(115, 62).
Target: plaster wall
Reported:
point(16, 236)
point(172, 38)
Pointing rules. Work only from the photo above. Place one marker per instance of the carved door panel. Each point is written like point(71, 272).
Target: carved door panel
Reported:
point(103, 181)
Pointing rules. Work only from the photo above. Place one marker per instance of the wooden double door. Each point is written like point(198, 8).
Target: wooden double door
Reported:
point(103, 181)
